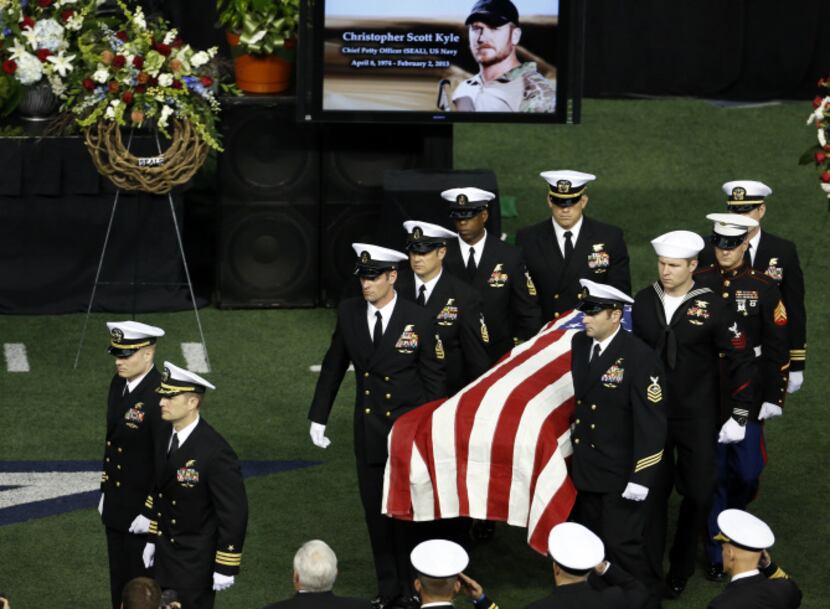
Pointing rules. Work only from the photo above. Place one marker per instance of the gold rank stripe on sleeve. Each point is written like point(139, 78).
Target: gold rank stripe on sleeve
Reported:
point(229, 559)
point(148, 503)
point(646, 462)
point(154, 527)
point(798, 355)
point(779, 574)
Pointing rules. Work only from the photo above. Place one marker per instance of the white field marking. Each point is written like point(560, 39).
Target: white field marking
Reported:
point(194, 357)
point(16, 359)
point(318, 367)
point(40, 486)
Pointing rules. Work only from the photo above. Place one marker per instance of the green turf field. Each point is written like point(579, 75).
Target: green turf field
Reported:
point(660, 165)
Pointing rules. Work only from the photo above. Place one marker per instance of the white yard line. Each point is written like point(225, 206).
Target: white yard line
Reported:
point(318, 367)
point(16, 359)
point(194, 357)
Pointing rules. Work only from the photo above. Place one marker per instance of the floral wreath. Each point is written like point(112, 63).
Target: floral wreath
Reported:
point(820, 153)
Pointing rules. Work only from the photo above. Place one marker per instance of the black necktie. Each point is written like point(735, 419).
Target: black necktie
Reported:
point(748, 257)
point(471, 264)
point(174, 446)
point(377, 333)
point(569, 245)
point(422, 297)
point(594, 358)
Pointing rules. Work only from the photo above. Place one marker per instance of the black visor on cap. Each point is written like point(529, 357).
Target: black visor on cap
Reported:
point(120, 352)
point(373, 269)
point(424, 244)
point(742, 207)
point(592, 307)
point(465, 213)
point(560, 202)
point(726, 242)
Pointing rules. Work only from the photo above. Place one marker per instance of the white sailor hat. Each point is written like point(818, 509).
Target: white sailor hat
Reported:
point(730, 230)
point(439, 558)
point(743, 530)
point(575, 547)
point(596, 297)
point(744, 195)
point(127, 337)
point(467, 202)
point(678, 244)
point(566, 186)
point(175, 380)
point(423, 236)
point(372, 260)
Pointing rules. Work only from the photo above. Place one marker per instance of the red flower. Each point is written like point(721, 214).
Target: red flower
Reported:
point(119, 61)
point(164, 49)
point(140, 88)
point(825, 177)
point(177, 84)
point(44, 3)
point(113, 86)
point(42, 54)
point(89, 85)
point(206, 81)
point(177, 43)
point(67, 14)
point(820, 156)
point(153, 81)
point(138, 62)
point(27, 22)
point(127, 97)
point(9, 66)
point(122, 36)
point(817, 101)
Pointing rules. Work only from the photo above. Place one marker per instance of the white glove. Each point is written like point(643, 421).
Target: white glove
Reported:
point(795, 381)
point(140, 525)
point(731, 432)
point(635, 492)
point(101, 505)
point(769, 411)
point(318, 435)
point(222, 582)
point(149, 555)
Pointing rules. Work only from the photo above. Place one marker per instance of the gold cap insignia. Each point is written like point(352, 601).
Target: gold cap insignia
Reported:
point(365, 257)
point(461, 200)
point(563, 186)
point(738, 193)
point(165, 376)
point(117, 335)
point(417, 233)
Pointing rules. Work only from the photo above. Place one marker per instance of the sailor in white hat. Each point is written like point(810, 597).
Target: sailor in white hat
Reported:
point(619, 427)
point(777, 258)
point(688, 327)
point(200, 498)
point(391, 343)
point(460, 328)
point(133, 424)
point(755, 302)
point(439, 566)
point(571, 246)
point(756, 580)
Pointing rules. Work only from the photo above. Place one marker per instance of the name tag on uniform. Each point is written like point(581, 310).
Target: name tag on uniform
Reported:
point(188, 476)
point(408, 340)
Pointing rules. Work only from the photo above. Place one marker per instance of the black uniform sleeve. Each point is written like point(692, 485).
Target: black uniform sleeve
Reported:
point(473, 334)
point(775, 355)
point(431, 370)
point(619, 274)
point(332, 371)
point(792, 292)
point(648, 410)
point(524, 302)
point(636, 594)
point(227, 493)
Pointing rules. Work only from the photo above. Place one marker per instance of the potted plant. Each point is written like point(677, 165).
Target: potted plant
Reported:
point(262, 35)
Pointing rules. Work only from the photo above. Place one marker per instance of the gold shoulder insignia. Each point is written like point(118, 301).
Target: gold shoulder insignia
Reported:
point(654, 393)
point(439, 348)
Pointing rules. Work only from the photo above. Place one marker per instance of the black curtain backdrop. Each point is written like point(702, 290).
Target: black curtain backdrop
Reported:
point(724, 49)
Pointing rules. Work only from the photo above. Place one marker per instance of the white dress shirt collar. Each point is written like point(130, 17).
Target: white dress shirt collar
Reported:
point(430, 285)
point(385, 313)
point(131, 385)
point(184, 433)
point(753, 246)
point(603, 344)
point(478, 249)
point(745, 574)
point(560, 233)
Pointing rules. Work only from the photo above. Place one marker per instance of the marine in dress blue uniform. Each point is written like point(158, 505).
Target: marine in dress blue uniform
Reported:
point(571, 246)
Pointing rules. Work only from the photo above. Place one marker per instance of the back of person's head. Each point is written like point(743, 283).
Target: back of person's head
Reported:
point(439, 587)
point(141, 593)
point(315, 566)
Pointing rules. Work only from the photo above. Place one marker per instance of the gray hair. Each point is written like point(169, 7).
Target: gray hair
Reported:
point(316, 566)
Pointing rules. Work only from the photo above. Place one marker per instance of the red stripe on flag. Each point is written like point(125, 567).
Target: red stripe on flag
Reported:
point(558, 509)
point(553, 427)
point(504, 438)
point(423, 440)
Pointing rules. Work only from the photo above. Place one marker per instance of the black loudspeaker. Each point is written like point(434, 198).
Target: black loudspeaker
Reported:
point(355, 159)
point(416, 195)
point(269, 178)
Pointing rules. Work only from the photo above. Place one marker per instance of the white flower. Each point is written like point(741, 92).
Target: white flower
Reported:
point(17, 50)
point(49, 34)
point(31, 37)
point(29, 69)
point(58, 88)
point(170, 36)
point(111, 108)
point(101, 75)
point(199, 59)
point(212, 52)
point(138, 19)
point(822, 138)
point(63, 63)
point(166, 111)
point(75, 22)
point(165, 80)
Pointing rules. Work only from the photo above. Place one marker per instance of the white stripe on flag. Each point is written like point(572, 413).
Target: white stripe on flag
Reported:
point(547, 484)
point(194, 357)
point(16, 359)
point(423, 505)
point(444, 456)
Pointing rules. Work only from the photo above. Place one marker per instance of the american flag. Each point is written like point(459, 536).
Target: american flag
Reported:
point(497, 449)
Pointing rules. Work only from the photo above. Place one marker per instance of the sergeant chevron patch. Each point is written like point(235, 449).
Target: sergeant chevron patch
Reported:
point(780, 314)
point(654, 392)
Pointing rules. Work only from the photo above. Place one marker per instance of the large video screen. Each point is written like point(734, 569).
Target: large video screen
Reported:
point(437, 60)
